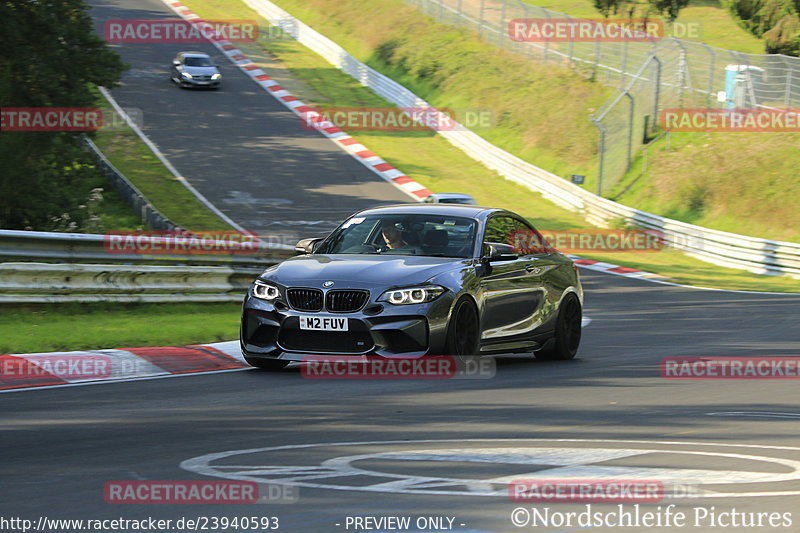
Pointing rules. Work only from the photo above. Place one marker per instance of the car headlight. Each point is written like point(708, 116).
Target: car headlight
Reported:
point(186, 75)
point(265, 291)
point(412, 295)
point(216, 76)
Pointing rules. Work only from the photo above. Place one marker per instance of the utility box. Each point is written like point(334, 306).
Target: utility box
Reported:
point(742, 85)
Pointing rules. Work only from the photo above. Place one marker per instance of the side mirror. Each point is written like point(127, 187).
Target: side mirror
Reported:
point(308, 246)
point(498, 251)
point(176, 63)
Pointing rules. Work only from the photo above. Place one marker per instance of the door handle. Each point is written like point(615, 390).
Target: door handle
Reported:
point(531, 268)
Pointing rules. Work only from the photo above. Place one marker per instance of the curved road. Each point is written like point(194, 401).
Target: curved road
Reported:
point(407, 448)
point(238, 146)
point(62, 445)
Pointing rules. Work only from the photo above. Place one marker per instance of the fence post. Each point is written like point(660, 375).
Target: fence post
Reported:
point(596, 58)
point(711, 73)
point(631, 120)
point(527, 46)
point(571, 47)
point(657, 90)
point(624, 63)
point(789, 79)
point(501, 34)
point(601, 154)
point(547, 41)
point(480, 19)
point(682, 66)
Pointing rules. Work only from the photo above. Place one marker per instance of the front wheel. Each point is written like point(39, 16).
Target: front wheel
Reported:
point(463, 332)
point(565, 344)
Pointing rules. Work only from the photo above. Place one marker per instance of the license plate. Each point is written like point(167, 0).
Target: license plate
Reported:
point(323, 323)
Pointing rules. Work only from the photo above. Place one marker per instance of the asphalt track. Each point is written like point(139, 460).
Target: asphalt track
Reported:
point(608, 412)
point(238, 146)
point(60, 446)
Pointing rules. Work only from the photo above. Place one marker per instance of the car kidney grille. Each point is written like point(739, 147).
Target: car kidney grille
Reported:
point(345, 301)
point(305, 299)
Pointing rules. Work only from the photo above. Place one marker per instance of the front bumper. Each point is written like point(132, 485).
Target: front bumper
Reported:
point(272, 330)
point(186, 82)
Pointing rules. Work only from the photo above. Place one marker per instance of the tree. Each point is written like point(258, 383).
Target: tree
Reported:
point(53, 59)
point(669, 8)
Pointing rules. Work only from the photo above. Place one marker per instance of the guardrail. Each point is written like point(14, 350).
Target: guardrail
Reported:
point(150, 216)
point(752, 254)
point(16, 245)
point(59, 283)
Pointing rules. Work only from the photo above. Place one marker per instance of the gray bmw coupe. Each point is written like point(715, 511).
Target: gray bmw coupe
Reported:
point(412, 280)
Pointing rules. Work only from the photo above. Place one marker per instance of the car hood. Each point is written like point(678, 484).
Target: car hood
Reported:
point(360, 271)
point(200, 71)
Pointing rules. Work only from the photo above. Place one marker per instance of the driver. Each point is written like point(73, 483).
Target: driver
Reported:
point(393, 237)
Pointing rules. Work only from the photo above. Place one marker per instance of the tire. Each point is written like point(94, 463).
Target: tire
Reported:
point(564, 344)
point(266, 364)
point(463, 331)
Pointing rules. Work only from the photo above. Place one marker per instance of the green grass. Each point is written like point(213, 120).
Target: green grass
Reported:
point(442, 167)
point(60, 327)
point(137, 163)
point(718, 27)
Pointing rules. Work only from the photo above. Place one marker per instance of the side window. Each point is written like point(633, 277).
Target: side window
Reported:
point(508, 230)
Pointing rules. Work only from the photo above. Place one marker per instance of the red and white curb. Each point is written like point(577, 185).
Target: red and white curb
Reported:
point(306, 114)
point(617, 270)
point(63, 369)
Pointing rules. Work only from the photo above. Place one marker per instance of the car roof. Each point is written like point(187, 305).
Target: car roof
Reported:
point(451, 195)
point(193, 54)
point(460, 210)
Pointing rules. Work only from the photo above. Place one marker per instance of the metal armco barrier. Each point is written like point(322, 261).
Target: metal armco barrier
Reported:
point(755, 255)
point(16, 245)
point(54, 283)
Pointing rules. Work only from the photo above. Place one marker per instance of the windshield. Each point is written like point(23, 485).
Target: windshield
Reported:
point(427, 235)
point(198, 62)
point(465, 201)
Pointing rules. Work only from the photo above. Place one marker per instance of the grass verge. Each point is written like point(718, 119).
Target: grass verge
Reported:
point(60, 327)
point(716, 26)
point(138, 163)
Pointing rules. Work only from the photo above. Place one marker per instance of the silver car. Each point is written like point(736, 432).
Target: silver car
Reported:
point(195, 69)
point(450, 198)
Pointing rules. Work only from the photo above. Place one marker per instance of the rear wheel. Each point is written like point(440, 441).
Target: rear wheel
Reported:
point(266, 364)
point(463, 332)
point(565, 344)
